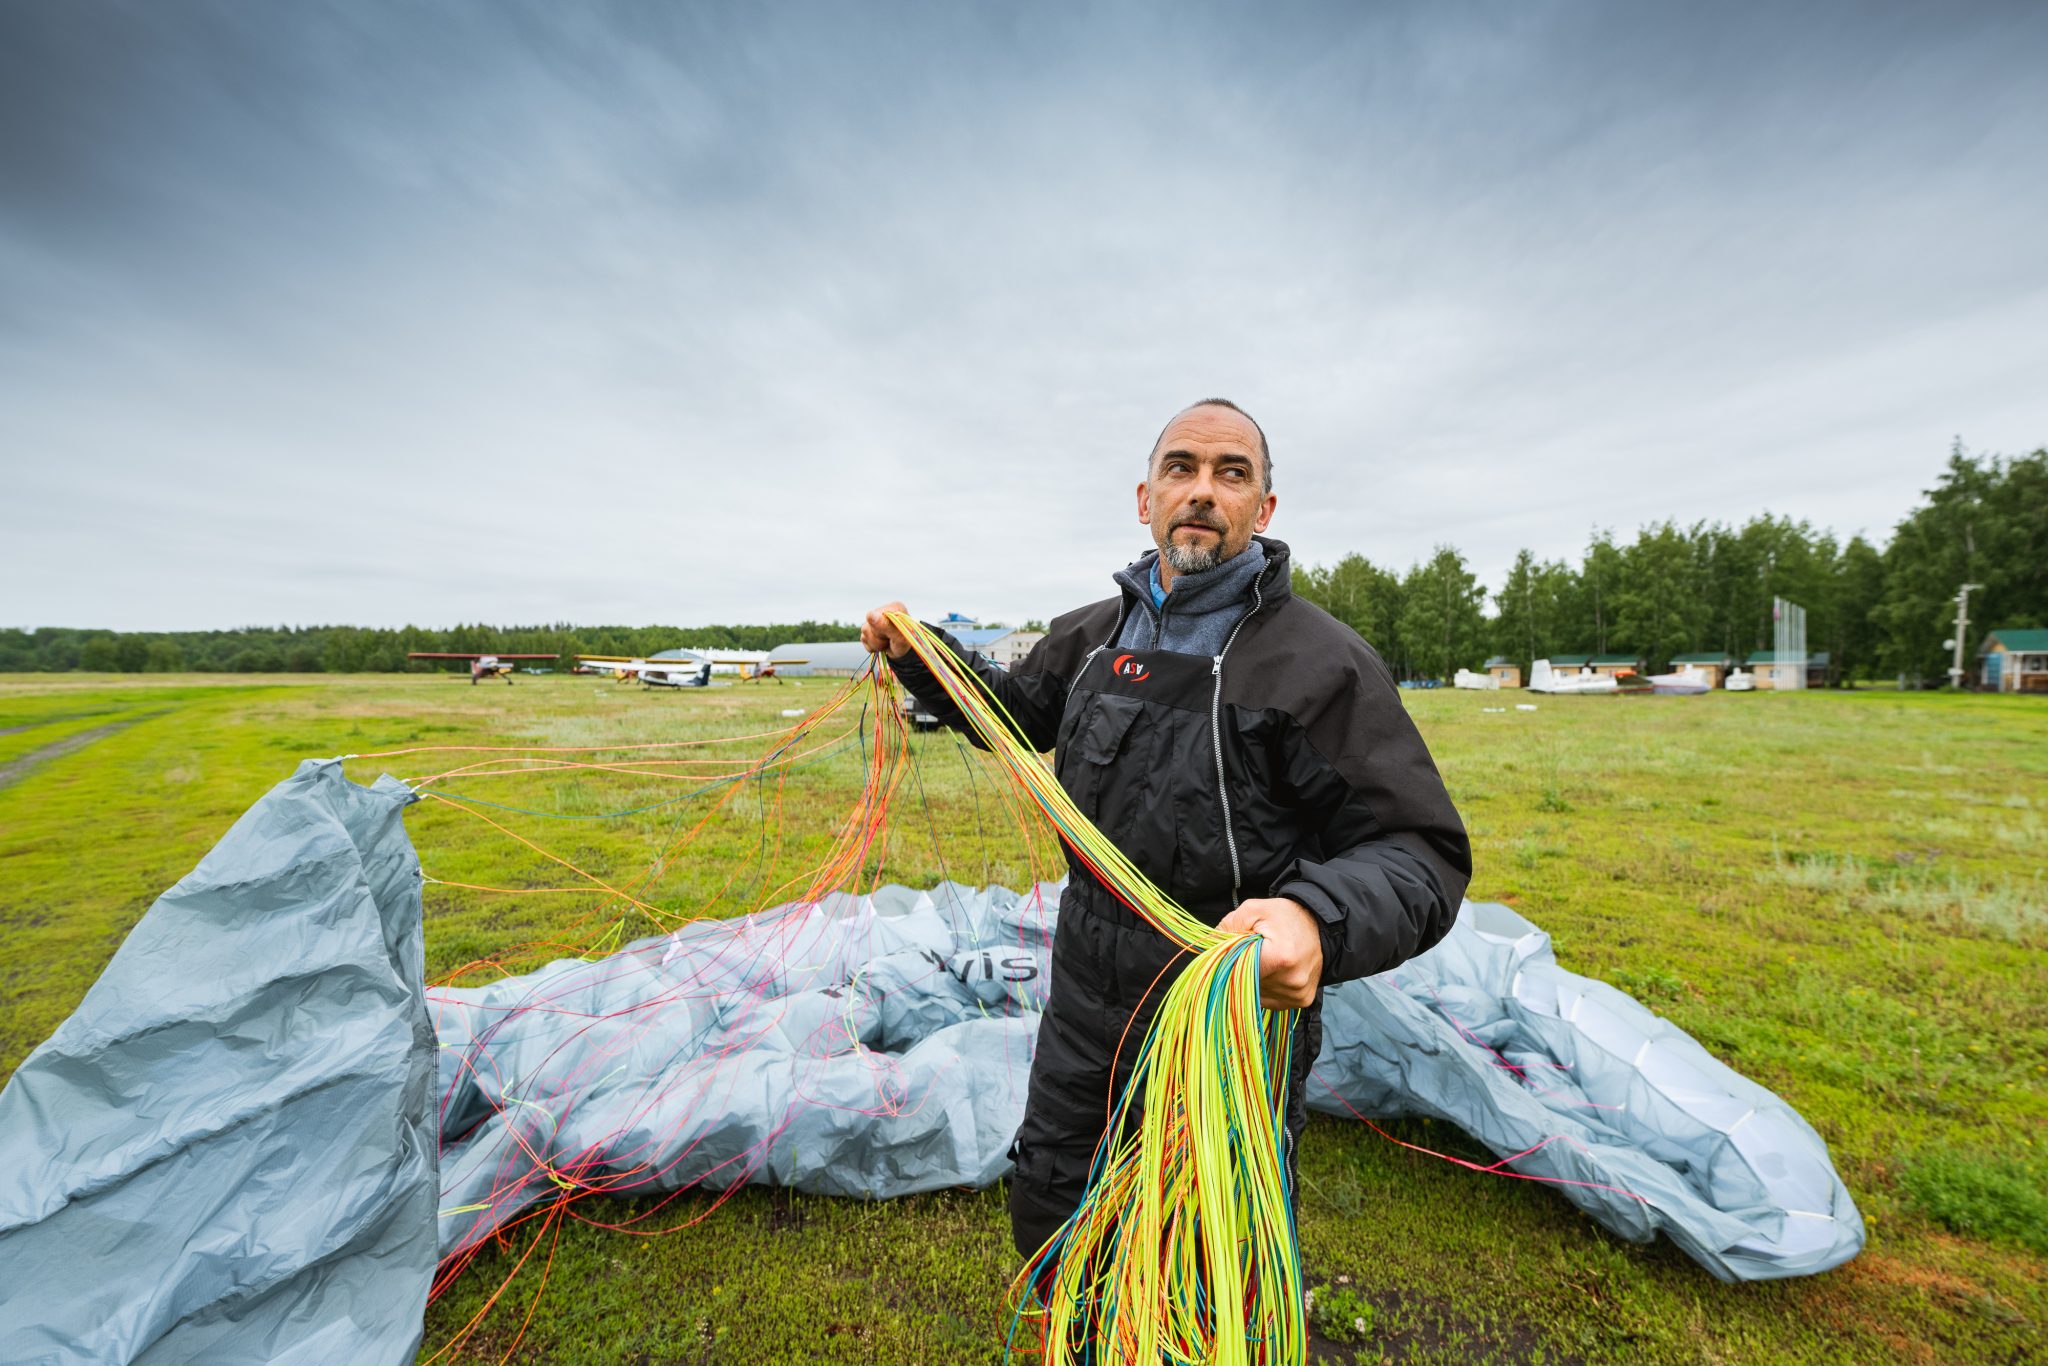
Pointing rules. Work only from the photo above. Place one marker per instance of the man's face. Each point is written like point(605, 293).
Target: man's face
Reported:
point(1207, 491)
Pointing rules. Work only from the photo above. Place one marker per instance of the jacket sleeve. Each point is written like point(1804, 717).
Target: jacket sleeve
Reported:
point(1394, 857)
point(1033, 695)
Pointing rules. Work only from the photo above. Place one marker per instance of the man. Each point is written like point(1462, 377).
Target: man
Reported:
point(1247, 751)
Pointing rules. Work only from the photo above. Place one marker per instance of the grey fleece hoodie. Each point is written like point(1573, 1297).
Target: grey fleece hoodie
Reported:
point(1200, 609)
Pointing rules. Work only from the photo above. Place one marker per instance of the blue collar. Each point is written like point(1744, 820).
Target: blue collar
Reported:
point(1158, 593)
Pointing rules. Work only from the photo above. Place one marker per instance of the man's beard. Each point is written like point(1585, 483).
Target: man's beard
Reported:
point(1197, 558)
point(1192, 559)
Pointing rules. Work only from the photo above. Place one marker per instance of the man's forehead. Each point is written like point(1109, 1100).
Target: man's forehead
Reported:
point(1210, 425)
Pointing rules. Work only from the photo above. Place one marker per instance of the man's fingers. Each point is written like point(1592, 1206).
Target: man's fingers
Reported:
point(1239, 921)
point(878, 636)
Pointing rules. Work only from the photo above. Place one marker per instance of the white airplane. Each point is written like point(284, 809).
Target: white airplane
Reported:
point(655, 673)
point(1688, 681)
point(480, 666)
point(1543, 678)
point(1465, 678)
point(750, 665)
point(687, 668)
point(1738, 681)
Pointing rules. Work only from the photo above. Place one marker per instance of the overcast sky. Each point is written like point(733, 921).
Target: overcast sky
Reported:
point(687, 313)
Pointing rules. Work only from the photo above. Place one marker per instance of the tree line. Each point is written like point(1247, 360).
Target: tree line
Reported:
point(1708, 587)
point(1675, 589)
point(355, 649)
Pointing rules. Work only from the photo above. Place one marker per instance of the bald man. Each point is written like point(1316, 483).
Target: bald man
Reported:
point(1247, 751)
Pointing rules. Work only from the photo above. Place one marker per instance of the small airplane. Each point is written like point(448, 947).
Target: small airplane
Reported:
point(1687, 681)
point(655, 673)
point(1465, 678)
point(681, 670)
point(481, 666)
point(1543, 678)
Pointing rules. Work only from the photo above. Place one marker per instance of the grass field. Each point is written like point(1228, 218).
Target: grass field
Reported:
point(1840, 895)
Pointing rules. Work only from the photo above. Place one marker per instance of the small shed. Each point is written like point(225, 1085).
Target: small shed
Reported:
point(1779, 668)
point(1607, 666)
point(1504, 671)
point(1715, 664)
point(2015, 661)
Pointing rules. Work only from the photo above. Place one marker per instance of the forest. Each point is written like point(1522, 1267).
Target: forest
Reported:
point(1708, 587)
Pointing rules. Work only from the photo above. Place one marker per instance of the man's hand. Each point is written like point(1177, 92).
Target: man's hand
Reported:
point(1291, 959)
point(879, 636)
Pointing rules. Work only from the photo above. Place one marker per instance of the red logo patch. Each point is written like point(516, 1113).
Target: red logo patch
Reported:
point(1127, 666)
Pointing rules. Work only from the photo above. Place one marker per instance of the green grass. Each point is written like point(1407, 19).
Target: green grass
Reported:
point(1986, 1197)
point(1842, 896)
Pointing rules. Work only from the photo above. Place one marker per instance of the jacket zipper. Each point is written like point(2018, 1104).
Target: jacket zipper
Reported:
point(1216, 735)
point(1114, 632)
point(1159, 621)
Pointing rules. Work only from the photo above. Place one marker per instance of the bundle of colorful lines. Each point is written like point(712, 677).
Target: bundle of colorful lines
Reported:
point(1183, 1248)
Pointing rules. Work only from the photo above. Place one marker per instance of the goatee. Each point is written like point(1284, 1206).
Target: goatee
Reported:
point(1192, 559)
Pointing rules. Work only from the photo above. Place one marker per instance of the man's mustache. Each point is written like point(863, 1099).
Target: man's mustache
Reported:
point(1216, 527)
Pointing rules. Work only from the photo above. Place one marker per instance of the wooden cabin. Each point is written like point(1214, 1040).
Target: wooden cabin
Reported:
point(1504, 671)
point(1715, 664)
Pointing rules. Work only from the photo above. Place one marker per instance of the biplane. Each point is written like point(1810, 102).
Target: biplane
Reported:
point(481, 666)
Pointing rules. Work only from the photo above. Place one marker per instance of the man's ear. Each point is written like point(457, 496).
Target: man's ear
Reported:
point(1145, 503)
point(1265, 511)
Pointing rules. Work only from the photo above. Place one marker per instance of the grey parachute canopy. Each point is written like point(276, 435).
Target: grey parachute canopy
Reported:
point(228, 1152)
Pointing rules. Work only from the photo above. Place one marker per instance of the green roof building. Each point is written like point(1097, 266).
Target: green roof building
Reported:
point(2015, 660)
point(1770, 665)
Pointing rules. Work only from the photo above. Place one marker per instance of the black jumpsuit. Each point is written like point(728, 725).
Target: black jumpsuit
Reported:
point(1285, 765)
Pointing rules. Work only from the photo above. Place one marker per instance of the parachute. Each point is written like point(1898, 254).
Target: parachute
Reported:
point(261, 1133)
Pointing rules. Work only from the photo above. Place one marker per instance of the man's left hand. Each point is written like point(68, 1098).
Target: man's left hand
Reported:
point(1291, 959)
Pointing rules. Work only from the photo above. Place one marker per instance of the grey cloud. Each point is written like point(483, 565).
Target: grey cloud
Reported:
point(721, 313)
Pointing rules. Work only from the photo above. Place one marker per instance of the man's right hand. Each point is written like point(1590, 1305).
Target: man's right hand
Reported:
point(880, 637)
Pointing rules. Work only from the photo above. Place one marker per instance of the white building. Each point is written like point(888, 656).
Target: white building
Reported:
point(1010, 648)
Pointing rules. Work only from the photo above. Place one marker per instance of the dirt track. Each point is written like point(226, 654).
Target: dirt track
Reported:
point(14, 770)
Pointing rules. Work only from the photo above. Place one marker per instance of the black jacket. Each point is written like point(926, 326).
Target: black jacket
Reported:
point(1284, 766)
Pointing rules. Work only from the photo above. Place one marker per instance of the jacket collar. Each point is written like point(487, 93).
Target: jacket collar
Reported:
point(1265, 561)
